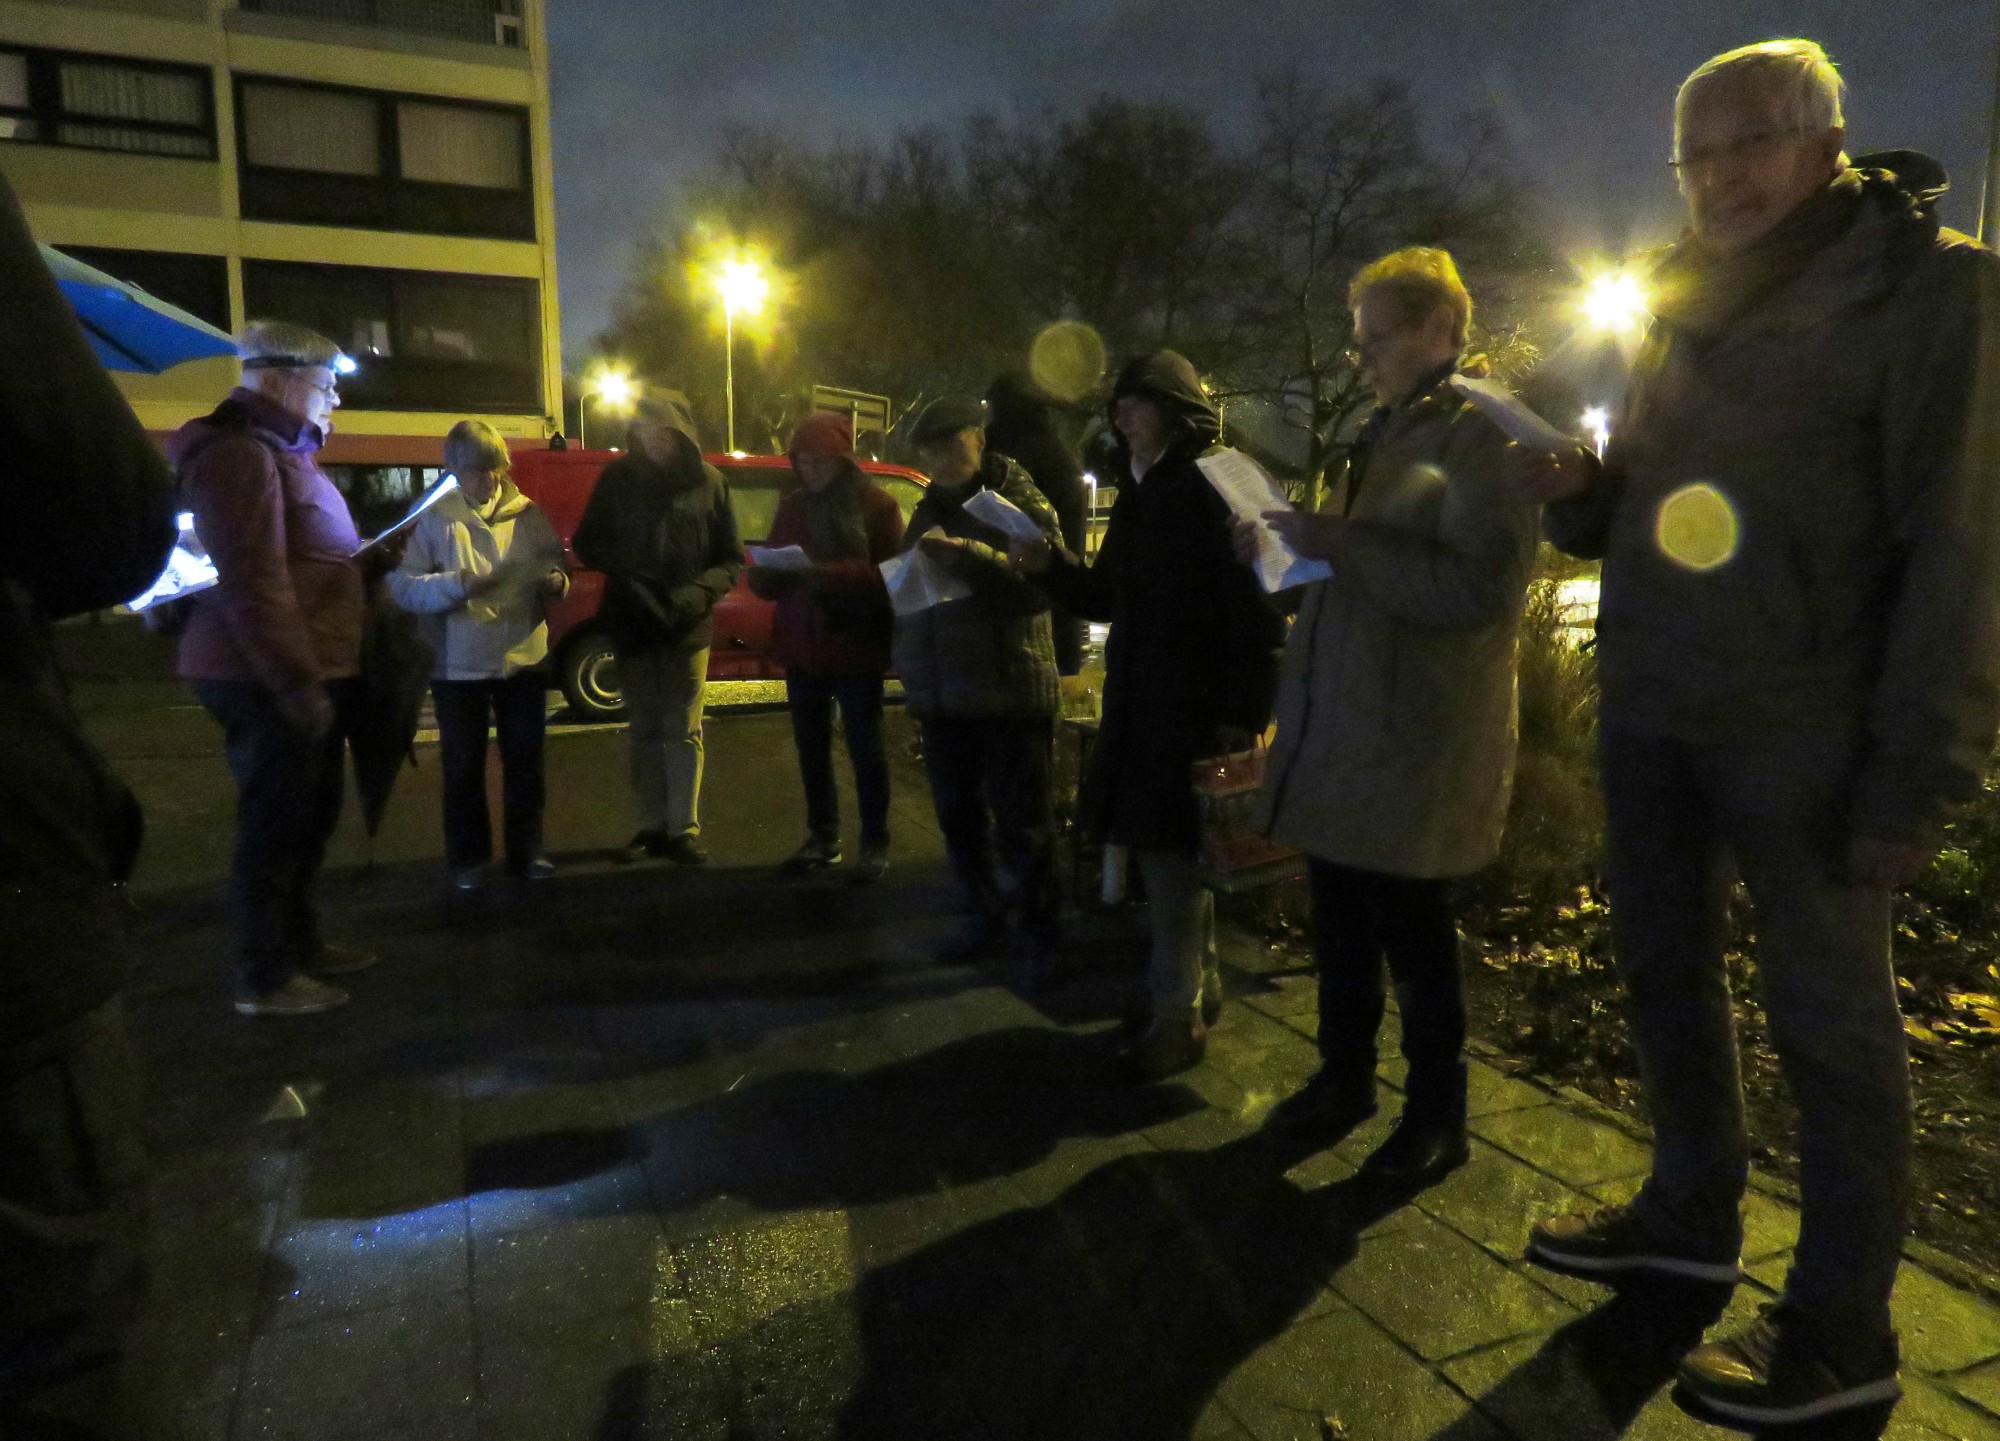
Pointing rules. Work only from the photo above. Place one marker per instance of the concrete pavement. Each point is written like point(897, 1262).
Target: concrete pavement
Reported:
point(641, 1153)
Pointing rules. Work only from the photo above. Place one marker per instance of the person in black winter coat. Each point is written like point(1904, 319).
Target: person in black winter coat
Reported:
point(91, 520)
point(1020, 427)
point(1190, 671)
point(660, 527)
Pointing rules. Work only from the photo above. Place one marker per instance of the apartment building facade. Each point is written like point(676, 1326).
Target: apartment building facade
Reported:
point(376, 169)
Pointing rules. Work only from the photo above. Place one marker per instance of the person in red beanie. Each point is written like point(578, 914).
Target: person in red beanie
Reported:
point(831, 634)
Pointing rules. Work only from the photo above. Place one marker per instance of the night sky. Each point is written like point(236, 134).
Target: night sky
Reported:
point(642, 92)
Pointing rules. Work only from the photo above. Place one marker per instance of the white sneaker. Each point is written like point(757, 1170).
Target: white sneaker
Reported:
point(468, 878)
point(300, 996)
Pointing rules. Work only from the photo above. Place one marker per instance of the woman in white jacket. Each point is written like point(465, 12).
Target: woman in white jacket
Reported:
point(480, 569)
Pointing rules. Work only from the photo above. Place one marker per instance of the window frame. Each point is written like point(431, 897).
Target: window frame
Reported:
point(385, 200)
point(45, 107)
point(405, 370)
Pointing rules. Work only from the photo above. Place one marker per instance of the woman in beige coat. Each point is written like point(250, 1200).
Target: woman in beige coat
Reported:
point(1396, 720)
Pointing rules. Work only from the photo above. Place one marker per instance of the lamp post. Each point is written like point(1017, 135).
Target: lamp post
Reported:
point(743, 287)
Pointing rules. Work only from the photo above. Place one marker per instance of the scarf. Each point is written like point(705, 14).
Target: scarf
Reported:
point(1706, 294)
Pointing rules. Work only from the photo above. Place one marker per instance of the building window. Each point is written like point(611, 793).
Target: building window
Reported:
point(476, 22)
point(316, 155)
point(424, 340)
point(98, 102)
point(198, 284)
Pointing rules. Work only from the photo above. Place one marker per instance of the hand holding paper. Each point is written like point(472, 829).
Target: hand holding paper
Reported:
point(916, 582)
point(1252, 495)
point(1508, 411)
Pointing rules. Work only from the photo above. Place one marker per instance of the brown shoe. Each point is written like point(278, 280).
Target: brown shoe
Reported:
point(342, 960)
point(1167, 1047)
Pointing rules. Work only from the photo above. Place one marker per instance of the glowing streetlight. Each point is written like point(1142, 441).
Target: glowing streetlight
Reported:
point(613, 389)
point(1597, 424)
point(1615, 303)
point(743, 288)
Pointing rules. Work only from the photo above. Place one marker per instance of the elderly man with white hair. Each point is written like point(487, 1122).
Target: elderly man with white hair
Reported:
point(1798, 523)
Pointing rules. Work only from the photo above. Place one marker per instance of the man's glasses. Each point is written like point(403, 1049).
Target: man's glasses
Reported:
point(1745, 149)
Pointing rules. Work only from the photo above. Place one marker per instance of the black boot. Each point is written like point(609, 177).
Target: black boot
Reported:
point(1429, 1142)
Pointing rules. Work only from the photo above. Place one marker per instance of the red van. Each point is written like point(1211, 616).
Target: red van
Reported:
point(560, 481)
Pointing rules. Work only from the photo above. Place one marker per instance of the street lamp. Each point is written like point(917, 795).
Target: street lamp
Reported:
point(743, 287)
point(1615, 303)
point(613, 388)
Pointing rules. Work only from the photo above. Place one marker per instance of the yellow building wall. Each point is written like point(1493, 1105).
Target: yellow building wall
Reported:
point(85, 197)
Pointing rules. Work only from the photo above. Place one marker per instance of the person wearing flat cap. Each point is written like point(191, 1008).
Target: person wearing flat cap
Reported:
point(979, 672)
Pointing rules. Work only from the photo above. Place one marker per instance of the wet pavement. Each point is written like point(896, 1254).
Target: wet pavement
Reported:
point(652, 1153)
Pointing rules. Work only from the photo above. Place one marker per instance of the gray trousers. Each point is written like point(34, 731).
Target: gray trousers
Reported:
point(1676, 814)
point(663, 698)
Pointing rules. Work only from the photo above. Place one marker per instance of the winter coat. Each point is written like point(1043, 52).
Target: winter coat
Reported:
point(499, 632)
point(665, 538)
point(1396, 698)
point(989, 653)
point(287, 612)
point(838, 622)
point(91, 519)
point(1193, 643)
point(1829, 427)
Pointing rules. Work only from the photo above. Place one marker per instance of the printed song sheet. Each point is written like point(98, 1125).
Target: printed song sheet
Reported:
point(778, 557)
point(1250, 492)
point(1508, 411)
point(1003, 515)
point(430, 498)
point(916, 582)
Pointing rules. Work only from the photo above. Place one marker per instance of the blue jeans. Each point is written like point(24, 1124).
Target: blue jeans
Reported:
point(1676, 814)
point(812, 699)
point(288, 794)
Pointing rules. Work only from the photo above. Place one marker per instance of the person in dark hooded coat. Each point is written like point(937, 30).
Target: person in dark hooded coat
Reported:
point(1019, 426)
point(1190, 671)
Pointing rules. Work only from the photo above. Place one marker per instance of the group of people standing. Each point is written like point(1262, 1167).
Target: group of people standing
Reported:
point(1799, 644)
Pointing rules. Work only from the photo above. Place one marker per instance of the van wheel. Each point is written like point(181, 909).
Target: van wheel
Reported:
point(589, 679)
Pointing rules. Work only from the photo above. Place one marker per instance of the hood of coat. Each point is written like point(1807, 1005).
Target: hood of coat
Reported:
point(458, 505)
point(1170, 378)
point(243, 411)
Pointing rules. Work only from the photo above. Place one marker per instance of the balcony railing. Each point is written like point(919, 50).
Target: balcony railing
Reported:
point(481, 22)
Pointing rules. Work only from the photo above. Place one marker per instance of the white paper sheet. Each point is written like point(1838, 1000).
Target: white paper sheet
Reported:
point(1508, 411)
point(1249, 492)
point(1002, 514)
point(189, 571)
point(916, 582)
point(779, 557)
point(429, 498)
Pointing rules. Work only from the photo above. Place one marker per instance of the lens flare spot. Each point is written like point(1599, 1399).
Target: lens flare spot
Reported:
point(1067, 359)
point(1696, 527)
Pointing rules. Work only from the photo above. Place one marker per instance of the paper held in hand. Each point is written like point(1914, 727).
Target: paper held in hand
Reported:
point(1508, 411)
point(778, 557)
point(916, 582)
point(1003, 515)
point(429, 498)
point(1249, 492)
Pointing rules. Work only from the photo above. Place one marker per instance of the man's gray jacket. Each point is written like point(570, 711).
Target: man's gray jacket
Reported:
point(1799, 516)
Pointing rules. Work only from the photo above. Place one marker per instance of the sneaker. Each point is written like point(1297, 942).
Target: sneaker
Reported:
point(871, 865)
point(342, 960)
point(468, 878)
point(1166, 1048)
point(1613, 1239)
point(683, 851)
point(1774, 1373)
point(1326, 1108)
point(541, 868)
point(814, 855)
point(300, 996)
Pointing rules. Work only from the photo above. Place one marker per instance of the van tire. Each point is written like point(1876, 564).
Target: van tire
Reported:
point(587, 671)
